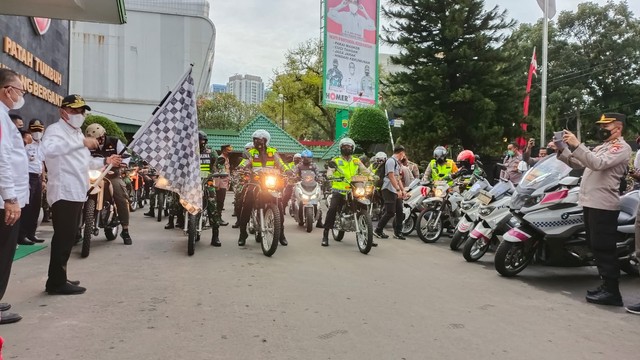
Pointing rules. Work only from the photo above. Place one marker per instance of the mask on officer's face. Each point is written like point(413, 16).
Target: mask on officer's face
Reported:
point(603, 134)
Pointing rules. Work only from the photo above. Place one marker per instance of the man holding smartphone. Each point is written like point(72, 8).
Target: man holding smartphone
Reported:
point(604, 167)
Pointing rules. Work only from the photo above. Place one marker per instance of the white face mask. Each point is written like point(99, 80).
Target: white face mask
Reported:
point(18, 104)
point(37, 136)
point(353, 8)
point(75, 120)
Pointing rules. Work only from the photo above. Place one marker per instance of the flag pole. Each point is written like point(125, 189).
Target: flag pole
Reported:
point(545, 48)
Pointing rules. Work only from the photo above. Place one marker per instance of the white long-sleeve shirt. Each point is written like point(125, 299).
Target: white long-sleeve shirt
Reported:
point(34, 153)
point(14, 176)
point(68, 163)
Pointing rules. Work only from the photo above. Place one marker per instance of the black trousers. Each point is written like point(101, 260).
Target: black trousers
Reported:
point(8, 242)
point(337, 201)
point(221, 195)
point(66, 219)
point(31, 211)
point(393, 207)
point(601, 228)
point(248, 200)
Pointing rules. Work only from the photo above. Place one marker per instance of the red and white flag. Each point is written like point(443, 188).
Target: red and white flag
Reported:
point(533, 67)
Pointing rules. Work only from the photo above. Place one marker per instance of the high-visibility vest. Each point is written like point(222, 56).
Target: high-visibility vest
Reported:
point(346, 169)
point(438, 172)
point(205, 162)
point(256, 159)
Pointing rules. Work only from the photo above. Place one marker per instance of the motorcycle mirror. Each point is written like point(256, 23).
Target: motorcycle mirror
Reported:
point(523, 166)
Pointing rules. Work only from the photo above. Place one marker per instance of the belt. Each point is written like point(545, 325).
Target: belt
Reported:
point(35, 175)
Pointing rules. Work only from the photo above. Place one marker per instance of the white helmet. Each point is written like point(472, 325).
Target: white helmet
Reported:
point(248, 145)
point(297, 156)
point(440, 153)
point(381, 156)
point(347, 141)
point(262, 134)
point(95, 131)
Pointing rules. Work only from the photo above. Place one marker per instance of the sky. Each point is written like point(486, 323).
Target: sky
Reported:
point(252, 36)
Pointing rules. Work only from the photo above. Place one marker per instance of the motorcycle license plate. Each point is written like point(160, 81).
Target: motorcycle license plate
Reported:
point(484, 197)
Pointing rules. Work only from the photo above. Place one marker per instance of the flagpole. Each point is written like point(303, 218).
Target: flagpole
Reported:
point(545, 48)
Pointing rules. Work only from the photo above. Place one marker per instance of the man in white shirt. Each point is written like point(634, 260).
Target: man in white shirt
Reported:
point(30, 213)
point(66, 152)
point(354, 21)
point(14, 181)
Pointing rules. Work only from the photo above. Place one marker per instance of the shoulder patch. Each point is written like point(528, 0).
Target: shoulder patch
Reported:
point(356, 161)
point(615, 148)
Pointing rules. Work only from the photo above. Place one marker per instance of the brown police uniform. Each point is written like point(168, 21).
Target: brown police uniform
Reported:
point(599, 195)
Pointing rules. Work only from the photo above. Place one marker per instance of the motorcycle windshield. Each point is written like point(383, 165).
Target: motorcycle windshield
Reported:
point(476, 188)
point(500, 189)
point(308, 179)
point(545, 172)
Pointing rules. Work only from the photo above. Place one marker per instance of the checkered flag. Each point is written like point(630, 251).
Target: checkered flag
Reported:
point(169, 143)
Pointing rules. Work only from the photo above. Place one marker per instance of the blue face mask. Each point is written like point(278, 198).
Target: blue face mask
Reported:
point(510, 153)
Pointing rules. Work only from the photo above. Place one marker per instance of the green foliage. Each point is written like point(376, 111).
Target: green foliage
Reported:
point(109, 126)
point(223, 111)
point(300, 83)
point(459, 87)
point(369, 126)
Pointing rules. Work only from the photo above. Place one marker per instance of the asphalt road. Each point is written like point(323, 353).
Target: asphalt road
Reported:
point(405, 300)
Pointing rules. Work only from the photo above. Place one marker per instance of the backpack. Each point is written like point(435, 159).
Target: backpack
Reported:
point(380, 172)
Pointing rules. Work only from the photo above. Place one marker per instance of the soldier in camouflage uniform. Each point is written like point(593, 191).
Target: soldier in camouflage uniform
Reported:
point(238, 184)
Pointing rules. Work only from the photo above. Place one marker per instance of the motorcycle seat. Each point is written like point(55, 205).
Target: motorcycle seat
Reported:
point(628, 208)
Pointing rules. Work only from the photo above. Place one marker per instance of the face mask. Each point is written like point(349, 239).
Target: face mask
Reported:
point(440, 161)
point(353, 8)
point(36, 136)
point(18, 104)
point(75, 120)
point(550, 151)
point(346, 151)
point(510, 152)
point(603, 134)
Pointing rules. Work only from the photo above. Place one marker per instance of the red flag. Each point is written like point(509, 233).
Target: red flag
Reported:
point(532, 71)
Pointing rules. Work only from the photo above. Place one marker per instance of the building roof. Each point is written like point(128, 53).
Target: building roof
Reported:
point(332, 152)
point(280, 139)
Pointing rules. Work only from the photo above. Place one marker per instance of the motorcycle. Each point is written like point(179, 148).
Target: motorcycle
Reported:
point(306, 199)
point(493, 214)
point(470, 207)
point(549, 227)
point(441, 210)
point(98, 212)
point(354, 214)
point(135, 186)
point(267, 186)
point(413, 205)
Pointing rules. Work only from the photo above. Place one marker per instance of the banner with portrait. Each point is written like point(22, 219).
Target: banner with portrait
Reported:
point(351, 53)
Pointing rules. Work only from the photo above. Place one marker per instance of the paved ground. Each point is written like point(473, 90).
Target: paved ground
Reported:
point(405, 300)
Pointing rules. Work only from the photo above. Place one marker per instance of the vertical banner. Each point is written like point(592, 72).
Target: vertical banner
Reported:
point(351, 53)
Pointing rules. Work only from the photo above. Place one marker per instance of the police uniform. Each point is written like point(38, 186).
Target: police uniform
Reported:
point(599, 196)
point(344, 168)
point(269, 158)
point(436, 171)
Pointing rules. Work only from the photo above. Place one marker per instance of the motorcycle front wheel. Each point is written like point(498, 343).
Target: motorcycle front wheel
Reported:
point(308, 219)
point(458, 239)
point(364, 237)
point(429, 228)
point(338, 235)
point(511, 258)
point(273, 230)
point(192, 234)
point(474, 249)
point(89, 223)
point(409, 224)
point(160, 202)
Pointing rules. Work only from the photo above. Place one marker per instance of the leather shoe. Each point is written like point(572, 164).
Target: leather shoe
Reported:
point(235, 226)
point(604, 297)
point(74, 282)
point(8, 318)
point(25, 241)
point(5, 306)
point(595, 291)
point(242, 240)
point(169, 226)
point(283, 241)
point(67, 289)
point(223, 223)
point(325, 240)
point(35, 239)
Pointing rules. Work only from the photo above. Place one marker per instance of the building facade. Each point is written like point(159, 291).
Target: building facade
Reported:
point(218, 88)
point(247, 88)
point(124, 71)
point(38, 51)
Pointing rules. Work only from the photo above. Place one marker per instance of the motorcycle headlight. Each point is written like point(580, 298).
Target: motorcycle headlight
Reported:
point(360, 191)
point(270, 182)
point(94, 175)
point(369, 189)
point(439, 192)
point(486, 210)
point(305, 197)
point(466, 205)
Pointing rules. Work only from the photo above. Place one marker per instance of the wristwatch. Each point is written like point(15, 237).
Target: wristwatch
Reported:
point(11, 201)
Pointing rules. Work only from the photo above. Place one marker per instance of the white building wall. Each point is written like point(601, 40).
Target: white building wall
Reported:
point(123, 71)
point(248, 88)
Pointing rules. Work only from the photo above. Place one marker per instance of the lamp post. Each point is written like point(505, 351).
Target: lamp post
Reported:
point(282, 101)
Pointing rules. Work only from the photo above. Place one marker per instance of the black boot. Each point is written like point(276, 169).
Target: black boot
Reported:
point(319, 224)
point(150, 213)
point(325, 237)
point(170, 223)
point(46, 216)
point(608, 295)
point(283, 240)
point(126, 238)
point(242, 240)
point(215, 241)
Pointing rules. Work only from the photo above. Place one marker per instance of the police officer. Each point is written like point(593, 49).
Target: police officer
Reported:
point(440, 168)
point(345, 166)
point(605, 166)
point(107, 147)
point(260, 156)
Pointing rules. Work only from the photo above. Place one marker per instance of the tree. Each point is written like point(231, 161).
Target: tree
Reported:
point(109, 126)
point(369, 126)
point(223, 111)
point(459, 86)
point(300, 83)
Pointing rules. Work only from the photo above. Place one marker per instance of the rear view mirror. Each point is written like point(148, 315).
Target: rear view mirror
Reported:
point(523, 166)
